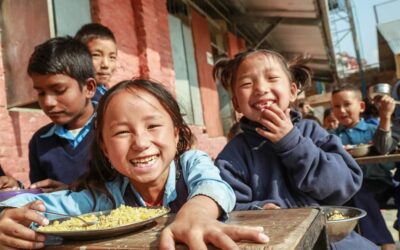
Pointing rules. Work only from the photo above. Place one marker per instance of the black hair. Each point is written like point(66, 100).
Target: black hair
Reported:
point(327, 112)
point(62, 55)
point(225, 69)
point(347, 87)
point(100, 169)
point(94, 31)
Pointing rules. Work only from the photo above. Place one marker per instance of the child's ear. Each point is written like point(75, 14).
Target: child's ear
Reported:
point(90, 87)
point(293, 91)
point(362, 106)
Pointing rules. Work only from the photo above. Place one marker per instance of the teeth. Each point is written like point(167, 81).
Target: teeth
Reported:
point(262, 106)
point(146, 160)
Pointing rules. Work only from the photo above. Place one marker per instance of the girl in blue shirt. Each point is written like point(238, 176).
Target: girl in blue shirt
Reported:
point(141, 157)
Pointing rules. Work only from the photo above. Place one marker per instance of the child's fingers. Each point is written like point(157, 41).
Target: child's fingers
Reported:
point(19, 243)
point(195, 241)
point(221, 240)
point(255, 234)
point(167, 240)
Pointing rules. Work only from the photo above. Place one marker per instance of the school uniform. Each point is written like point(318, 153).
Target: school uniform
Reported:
point(307, 167)
point(197, 173)
point(55, 153)
point(100, 91)
point(377, 188)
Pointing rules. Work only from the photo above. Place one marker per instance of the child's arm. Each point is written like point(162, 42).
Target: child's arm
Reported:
point(196, 225)
point(14, 227)
point(385, 141)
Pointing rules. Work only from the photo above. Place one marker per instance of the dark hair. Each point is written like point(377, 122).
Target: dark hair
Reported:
point(347, 87)
point(94, 31)
point(327, 112)
point(62, 55)
point(225, 69)
point(100, 169)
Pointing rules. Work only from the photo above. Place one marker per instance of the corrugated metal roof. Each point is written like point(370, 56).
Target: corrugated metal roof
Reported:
point(290, 27)
point(391, 33)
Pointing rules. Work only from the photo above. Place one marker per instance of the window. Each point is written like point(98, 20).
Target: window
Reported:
point(25, 24)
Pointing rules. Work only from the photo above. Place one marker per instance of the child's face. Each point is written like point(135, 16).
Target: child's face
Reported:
point(63, 101)
point(330, 121)
point(104, 55)
point(347, 106)
point(260, 82)
point(139, 138)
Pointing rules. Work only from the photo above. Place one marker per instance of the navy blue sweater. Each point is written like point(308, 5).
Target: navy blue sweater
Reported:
point(55, 158)
point(307, 167)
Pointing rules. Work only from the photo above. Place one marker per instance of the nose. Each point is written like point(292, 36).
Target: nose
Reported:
point(49, 101)
point(105, 62)
point(140, 142)
point(261, 87)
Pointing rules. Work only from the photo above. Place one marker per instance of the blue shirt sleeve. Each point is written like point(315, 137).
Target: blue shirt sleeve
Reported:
point(203, 178)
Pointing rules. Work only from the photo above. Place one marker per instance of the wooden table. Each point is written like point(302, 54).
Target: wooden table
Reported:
point(300, 228)
point(378, 159)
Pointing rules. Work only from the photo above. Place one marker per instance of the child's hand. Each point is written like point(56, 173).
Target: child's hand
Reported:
point(196, 225)
point(14, 227)
point(8, 183)
point(277, 122)
point(386, 107)
point(49, 185)
point(271, 206)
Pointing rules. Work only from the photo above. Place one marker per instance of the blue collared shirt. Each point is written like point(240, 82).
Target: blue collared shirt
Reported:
point(362, 133)
point(200, 175)
point(64, 133)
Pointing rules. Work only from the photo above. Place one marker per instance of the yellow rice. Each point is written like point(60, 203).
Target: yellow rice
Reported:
point(118, 217)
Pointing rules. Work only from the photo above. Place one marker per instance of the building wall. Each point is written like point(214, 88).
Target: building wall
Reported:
point(144, 49)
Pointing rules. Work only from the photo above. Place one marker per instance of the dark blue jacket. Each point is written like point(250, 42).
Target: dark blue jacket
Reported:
point(55, 158)
point(307, 167)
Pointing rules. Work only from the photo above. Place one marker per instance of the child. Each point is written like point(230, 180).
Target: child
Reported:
point(280, 160)
point(141, 158)
point(102, 45)
point(378, 183)
point(62, 73)
point(8, 182)
point(330, 122)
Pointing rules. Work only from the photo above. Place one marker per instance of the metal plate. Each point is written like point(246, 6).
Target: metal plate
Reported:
point(102, 233)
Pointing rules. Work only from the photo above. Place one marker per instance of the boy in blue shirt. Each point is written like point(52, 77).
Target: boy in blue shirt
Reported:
point(102, 45)
point(63, 76)
point(378, 183)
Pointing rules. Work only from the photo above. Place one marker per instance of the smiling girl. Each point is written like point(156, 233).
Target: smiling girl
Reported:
point(141, 157)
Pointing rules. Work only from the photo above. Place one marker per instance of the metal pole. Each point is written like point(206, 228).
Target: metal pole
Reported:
point(356, 47)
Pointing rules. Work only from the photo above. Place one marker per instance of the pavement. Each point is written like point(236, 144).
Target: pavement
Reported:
point(390, 217)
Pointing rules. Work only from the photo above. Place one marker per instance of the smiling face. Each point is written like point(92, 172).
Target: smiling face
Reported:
point(259, 82)
point(62, 100)
point(104, 56)
point(139, 138)
point(347, 107)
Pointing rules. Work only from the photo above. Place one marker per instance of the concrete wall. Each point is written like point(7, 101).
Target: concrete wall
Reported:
point(144, 49)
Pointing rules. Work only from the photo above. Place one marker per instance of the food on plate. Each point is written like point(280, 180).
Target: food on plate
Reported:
point(336, 215)
point(118, 217)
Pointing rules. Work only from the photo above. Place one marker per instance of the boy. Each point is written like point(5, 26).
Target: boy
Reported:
point(103, 47)
point(63, 76)
point(378, 183)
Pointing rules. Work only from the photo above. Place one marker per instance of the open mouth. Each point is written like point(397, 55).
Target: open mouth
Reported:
point(144, 161)
point(263, 105)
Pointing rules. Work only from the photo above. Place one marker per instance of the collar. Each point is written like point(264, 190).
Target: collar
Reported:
point(62, 132)
point(170, 188)
point(361, 125)
point(101, 88)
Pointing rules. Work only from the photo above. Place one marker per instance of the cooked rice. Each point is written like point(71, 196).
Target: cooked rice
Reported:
point(118, 217)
